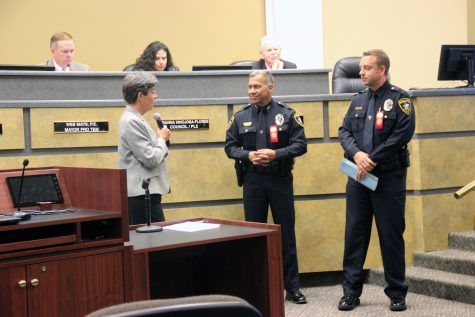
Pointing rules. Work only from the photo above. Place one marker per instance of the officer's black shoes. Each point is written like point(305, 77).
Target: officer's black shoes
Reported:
point(296, 297)
point(348, 303)
point(398, 303)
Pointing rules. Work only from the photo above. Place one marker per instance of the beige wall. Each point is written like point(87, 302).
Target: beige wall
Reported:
point(111, 34)
point(411, 32)
point(471, 21)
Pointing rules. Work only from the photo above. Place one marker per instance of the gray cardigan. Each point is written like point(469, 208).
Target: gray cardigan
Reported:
point(142, 154)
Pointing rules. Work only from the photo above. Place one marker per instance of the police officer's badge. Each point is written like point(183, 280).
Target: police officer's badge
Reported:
point(230, 122)
point(388, 105)
point(279, 119)
point(299, 119)
point(405, 105)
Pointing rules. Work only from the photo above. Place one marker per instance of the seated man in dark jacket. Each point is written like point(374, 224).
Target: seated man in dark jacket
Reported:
point(270, 56)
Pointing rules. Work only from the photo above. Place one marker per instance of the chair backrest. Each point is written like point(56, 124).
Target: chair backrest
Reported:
point(129, 68)
point(243, 63)
point(346, 78)
point(193, 306)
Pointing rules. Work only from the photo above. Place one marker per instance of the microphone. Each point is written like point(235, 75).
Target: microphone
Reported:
point(25, 164)
point(160, 125)
point(145, 183)
point(18, 213)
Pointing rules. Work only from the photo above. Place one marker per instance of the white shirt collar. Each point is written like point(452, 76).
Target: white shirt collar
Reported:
point(59, 68)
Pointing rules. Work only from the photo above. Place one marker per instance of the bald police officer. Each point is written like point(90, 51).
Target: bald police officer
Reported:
point(377, 127)
point(264, 137)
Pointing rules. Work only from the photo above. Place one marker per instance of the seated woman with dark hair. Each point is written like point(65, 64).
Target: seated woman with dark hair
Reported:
point(156, 57)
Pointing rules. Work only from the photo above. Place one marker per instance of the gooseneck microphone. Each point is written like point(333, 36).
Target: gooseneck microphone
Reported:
point(160, 125)
point(25, 164)
point(19, 214)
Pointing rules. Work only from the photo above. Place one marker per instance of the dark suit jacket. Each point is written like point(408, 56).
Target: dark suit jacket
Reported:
point(260, 64)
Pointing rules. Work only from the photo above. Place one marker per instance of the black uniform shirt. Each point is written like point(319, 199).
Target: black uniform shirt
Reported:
point(241, 134)
point(398, 123)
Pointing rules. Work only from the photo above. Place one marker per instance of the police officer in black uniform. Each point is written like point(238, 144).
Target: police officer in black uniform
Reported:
point(264, 137)
point(377, 127)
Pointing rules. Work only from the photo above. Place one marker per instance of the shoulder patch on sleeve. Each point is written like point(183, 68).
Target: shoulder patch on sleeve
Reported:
point(230, 122)
point(299, 119)
point(405, 105)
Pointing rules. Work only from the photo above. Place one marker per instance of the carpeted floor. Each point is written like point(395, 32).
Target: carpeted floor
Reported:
point(323, 301)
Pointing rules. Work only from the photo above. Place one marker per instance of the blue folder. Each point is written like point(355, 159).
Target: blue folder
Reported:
point(349, 168)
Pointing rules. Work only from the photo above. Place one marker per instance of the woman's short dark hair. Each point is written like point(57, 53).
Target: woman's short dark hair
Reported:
point(137, 82)
point(146, 61)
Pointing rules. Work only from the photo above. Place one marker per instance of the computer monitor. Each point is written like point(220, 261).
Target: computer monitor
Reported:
point(27, 67)
point(36, 188)
point(221, 67)
point(457, 63)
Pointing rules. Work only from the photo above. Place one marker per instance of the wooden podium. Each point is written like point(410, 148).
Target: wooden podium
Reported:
point(239, 258)
point(66, 264)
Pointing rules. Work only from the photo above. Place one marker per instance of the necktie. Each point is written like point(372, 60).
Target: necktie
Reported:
point(369, 126)
point(261, 135)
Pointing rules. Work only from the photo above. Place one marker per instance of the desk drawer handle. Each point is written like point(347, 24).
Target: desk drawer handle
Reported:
point(34, 282)
point(21, 283)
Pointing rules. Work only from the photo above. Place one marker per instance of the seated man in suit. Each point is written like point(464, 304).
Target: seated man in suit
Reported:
point(62, 50)
point(270, 56)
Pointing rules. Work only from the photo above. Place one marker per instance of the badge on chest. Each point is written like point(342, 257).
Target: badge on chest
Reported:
point(379, 122)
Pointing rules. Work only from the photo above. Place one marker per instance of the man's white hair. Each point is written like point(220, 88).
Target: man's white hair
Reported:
point(267, 39)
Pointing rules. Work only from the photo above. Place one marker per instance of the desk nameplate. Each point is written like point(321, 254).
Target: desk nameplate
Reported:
point(80, 126)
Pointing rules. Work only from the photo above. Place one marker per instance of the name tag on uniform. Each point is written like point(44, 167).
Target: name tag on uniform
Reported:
point(274, 135)
point(378, 125)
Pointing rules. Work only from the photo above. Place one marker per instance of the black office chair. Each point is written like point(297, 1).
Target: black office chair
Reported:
point(346, 78)
point(193, 306)
point(243, 63)
point(129, 68)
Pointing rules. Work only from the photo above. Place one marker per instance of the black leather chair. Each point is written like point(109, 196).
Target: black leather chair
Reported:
point(346, 78)
point(243, 63)
point(129, 68)
point(193, 306)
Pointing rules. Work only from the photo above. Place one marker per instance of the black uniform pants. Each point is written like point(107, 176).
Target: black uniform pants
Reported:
point(137, 213)
point(387, 205)
point(259, 191)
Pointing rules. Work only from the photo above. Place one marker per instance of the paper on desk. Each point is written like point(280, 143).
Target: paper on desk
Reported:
point(349, 168)
point(192, 226)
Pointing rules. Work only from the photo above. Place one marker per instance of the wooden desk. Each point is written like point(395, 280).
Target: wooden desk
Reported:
point(102, 89)
point(238, 258)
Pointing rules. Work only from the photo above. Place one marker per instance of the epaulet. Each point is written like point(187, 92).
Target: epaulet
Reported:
point(360, 92)
point(285, 106)
point(244, 108)
point(399, 90)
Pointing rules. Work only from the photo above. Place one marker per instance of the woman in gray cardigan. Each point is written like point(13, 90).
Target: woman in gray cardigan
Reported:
point(142, 151)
